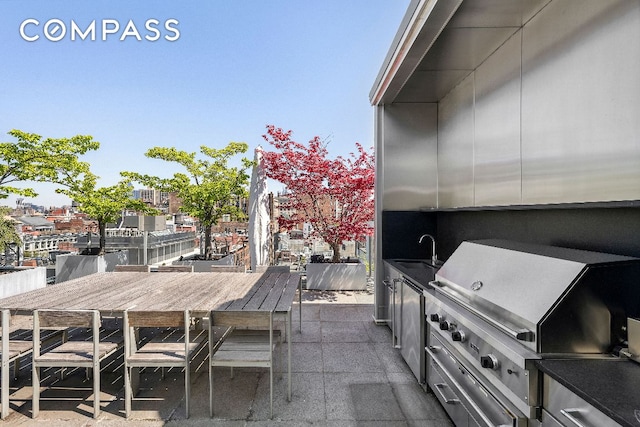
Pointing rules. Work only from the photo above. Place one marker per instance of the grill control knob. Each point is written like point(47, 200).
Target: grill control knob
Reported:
point(434, 317)
point(458, 336)
point(490, 362)
point(445, 325)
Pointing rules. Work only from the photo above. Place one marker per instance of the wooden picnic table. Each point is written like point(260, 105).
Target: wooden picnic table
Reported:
point(112, 293)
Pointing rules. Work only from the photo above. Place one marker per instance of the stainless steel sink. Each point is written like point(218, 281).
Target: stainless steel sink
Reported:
point(414, 264)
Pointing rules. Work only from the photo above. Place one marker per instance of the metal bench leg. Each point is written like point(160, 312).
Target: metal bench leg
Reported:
point(127, 392)
point(96, 391)
point(16, 368)
point(35, 406)
point(187, 386)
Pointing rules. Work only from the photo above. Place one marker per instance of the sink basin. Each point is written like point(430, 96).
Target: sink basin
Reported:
point(420, 270)
point(414, 264)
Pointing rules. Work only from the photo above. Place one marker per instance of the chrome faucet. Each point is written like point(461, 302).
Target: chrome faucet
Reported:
point(434, 256)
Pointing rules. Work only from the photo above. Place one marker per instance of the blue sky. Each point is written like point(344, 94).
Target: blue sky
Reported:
point(236, 67)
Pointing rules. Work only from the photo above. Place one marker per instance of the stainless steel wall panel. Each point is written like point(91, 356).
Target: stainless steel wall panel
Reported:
point(580, 109)
point(410, 157)
point(497, 169)
point(430, 86)
point(455, 147)
point(496, 13)
point(473, 46)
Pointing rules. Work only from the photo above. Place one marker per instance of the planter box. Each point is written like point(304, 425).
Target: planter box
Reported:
point(204, 266)
point(336, 277)
point(18, 280)
point(73, 266)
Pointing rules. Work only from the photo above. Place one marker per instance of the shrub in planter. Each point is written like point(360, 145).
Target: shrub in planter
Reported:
point(340, 276)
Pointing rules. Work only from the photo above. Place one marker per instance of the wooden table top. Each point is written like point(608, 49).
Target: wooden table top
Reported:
point(112, 293)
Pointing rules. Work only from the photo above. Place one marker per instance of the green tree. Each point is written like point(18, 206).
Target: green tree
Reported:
point(210, 187)
point(8, 233)
point(31, 158)
point(103, 204)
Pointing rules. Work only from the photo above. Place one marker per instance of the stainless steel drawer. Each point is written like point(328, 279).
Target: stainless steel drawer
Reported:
point(484, 408)
point(570, 409)
point(448, 394)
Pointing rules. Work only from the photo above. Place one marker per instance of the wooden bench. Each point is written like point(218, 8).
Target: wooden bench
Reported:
point(175, 268)
point(132, 267)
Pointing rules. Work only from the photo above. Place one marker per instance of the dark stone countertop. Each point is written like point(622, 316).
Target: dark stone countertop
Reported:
point(611, 385)
point(419, 272)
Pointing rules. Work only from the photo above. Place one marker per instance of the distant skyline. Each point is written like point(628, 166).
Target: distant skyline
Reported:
point(233, 68)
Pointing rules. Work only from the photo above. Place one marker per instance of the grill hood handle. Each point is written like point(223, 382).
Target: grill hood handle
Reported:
point(520, 335)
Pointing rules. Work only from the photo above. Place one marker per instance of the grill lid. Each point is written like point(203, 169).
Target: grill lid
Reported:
point(515, 283)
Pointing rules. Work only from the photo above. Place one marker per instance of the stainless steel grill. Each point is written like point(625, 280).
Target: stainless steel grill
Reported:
point(497, 306)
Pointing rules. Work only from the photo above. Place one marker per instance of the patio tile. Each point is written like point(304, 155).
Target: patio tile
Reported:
point(416, 404)
point(405, 377)
point(306, 357)
point(280, 423)
point(232, 397)
point(362, 398)
point(354, 423)
point(344, 332)
point(391, 359)
point(430, 423)
point(310, 312)
point(378, 333)
point(350, 357)
point(311, 332)
point(344, 373)
point(307, 399)
point(206, 422)
point(348, 312)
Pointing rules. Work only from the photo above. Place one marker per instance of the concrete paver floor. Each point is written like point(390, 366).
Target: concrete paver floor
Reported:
point(344, 373)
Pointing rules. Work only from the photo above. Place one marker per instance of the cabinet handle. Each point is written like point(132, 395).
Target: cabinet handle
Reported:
point(440, 386)
point(569, 414)
point(394, 343)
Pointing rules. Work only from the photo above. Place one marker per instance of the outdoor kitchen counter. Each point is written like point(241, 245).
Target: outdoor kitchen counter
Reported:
point(419, 271)
point(610, 385)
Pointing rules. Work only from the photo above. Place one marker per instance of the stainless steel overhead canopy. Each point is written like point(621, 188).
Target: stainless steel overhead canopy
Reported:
point(440, 42)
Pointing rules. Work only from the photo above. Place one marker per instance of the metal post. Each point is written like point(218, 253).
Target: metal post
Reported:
point(145, 242)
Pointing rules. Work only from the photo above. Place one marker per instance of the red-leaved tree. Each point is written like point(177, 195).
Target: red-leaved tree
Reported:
point(335, 196)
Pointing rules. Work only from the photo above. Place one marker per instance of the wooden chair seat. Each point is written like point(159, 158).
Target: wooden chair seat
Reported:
point(242, 347)
point(245, 349)
point(77, 353)
point(163, 353)
point(84, 354)
point(167, 350)
point(18, 348)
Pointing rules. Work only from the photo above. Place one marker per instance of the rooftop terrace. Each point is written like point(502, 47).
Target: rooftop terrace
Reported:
point(344, 373)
